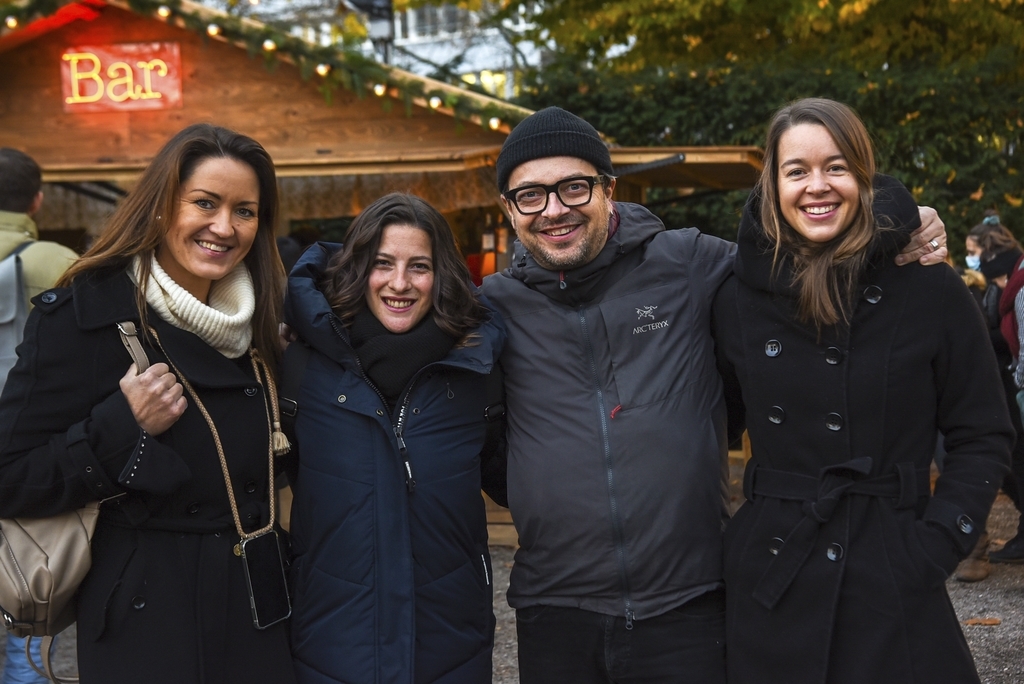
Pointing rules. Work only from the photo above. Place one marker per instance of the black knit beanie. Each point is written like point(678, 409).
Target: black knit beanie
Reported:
point(1001, 264)
point(551, 132)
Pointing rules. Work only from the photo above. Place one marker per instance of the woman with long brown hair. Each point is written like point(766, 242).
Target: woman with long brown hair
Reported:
point(845, 368)
point(392, 575)
point(182, 452)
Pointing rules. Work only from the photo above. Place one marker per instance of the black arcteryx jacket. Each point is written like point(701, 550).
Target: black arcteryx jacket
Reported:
point(616, 422)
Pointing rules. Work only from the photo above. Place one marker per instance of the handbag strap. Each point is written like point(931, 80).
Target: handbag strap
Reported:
point(130, 338)
point(46, 651)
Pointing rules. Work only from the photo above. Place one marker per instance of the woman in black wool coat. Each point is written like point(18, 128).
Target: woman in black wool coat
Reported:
point(188, 257)
point(847, 367)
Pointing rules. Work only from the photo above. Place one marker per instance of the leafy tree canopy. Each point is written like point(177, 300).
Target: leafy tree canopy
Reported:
point(862, 33)
point(953, 136)
point(939, 84)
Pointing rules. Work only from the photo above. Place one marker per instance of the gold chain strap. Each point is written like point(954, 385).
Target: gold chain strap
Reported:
point(257, 363)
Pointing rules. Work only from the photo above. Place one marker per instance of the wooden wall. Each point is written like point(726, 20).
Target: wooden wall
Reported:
point(222, 84)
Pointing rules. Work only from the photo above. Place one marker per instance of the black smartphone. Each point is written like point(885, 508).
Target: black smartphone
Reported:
point(264, 573)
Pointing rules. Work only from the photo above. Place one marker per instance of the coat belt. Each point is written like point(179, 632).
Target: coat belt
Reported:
point(820, 496)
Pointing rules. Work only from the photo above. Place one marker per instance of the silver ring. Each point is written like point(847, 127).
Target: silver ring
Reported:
point(934, 243)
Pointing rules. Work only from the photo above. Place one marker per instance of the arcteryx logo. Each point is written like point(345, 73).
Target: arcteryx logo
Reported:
point(648, 312)
point(645, 312)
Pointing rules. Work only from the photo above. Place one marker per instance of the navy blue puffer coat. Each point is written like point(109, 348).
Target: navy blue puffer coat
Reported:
point(389, 587)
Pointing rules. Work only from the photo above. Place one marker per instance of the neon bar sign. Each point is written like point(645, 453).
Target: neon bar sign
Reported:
point(123, 77)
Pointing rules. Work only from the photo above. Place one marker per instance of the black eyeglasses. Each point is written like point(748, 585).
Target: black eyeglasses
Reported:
point(572, 192)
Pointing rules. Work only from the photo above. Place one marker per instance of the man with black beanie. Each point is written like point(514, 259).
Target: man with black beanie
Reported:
point(616, 420)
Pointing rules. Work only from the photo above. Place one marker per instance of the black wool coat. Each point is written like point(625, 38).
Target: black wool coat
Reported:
point(165, 599)
point(835, 565)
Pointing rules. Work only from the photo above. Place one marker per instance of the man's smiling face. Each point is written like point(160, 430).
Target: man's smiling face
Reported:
point(561, 238)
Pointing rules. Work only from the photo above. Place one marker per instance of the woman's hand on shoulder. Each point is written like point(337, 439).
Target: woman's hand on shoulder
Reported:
point(155, 397)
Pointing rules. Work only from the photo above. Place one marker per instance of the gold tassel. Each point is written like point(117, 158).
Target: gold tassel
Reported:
point(281, 444)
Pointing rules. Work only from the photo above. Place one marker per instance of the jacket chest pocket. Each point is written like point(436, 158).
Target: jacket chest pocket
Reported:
point(657, 343)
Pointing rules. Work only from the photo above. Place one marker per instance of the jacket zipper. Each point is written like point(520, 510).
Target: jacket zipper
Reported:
point(410, 483)
point(399, 426)
point(620, 549)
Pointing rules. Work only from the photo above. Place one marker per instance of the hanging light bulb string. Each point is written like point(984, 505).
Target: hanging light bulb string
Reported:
point(336, 65)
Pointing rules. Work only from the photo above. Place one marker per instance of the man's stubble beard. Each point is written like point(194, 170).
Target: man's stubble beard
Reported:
point(580, 254)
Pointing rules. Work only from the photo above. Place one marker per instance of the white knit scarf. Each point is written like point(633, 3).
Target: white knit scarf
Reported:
point(225, 323)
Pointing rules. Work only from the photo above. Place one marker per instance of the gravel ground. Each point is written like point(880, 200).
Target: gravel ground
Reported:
point(998, 649)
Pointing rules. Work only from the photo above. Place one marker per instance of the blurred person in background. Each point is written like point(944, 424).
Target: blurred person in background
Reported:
point(1010, 278)
point(42, 263)
point(992, 253)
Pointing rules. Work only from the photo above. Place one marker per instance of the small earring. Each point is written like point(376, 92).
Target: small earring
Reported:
point(159, 217)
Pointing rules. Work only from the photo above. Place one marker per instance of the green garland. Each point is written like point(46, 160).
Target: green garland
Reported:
point(343, 65)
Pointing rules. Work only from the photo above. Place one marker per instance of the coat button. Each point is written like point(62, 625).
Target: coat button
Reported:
point(772, 348)
point(250, 391)
point(965, 524)
point(775, 545)
point(379, 412)
point(834, 552)
point(873, 294)
point(342, 398)
point(834, 422)
point(833, 355)
point(139, 602)
point(250, 486)
point(193, 508)
point(776, 415)
point(416, 412)
point(48, 297)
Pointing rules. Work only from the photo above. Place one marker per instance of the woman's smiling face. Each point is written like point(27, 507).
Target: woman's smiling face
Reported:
point(215, 226)
point(400, 290)
point(818, 194)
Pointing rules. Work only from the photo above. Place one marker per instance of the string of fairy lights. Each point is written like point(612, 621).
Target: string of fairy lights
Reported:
point(334, 65)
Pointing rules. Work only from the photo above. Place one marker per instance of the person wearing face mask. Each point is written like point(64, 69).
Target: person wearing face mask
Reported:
point(392, 576)
point(995, 251)
point(973, 258)
point(189, 261)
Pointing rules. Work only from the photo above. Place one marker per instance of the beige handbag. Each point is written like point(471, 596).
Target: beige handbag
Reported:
point(44, 560)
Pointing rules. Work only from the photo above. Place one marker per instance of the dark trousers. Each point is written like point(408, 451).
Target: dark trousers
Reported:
point(573, 646)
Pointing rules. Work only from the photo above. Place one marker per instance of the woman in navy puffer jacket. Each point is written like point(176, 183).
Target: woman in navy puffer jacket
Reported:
point(391, 576)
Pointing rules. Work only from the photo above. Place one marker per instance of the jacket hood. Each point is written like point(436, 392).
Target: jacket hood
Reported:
point(637, 226)
point(893, 207)
point(310, 316)
point(14, 230)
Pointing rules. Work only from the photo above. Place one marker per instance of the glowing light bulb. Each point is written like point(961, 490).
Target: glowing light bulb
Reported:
point(164, 11)
point(213, 30)
point(494, 123)
point(11, 22)
point(269, 45)
point(380, 89)
point(435, 102)
point(323, 69)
